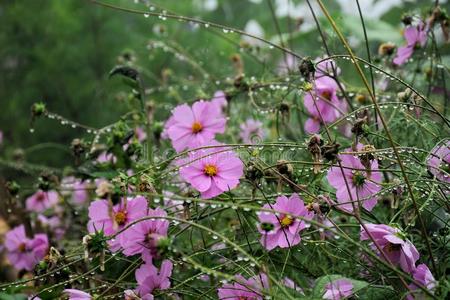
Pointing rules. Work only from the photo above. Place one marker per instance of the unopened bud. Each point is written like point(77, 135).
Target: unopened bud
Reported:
point(407, 20)
point(146, 184)
point(12, 187)
point(386, 49)
point(38, 109)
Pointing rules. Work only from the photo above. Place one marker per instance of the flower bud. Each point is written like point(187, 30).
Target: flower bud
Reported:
point(386, 49)
point(47, 181)
point(360, 126)
point(407, 20)
point(307, 68)
point(240, 83)
point(13, 188)
point(18, 154)
point(285, 168)
point(127, 57)
point(38, 109)
point(330, 151)
point(146, 184)
point(405, 95)
point(314, 145)
point(252, 173)
point(78, 147)
point(238, 64)
point(368, 157)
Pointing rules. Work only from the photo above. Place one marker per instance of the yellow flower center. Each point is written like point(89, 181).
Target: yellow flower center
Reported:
point(197, 127)
point(120, 217)
point(286, 221)
point(210, 170)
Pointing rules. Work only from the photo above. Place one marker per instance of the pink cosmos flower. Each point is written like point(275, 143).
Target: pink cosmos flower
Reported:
point(204, 277)
point(41, 201)
point(439, 162)
point(149, 278)
point(283, 230)
point(111, 219)
point(252, 288)
point(416, 37)
point(212, 171)
point(132, 295)
point(322, 104)
point(362, 183)
point(252, 132)
point(338, 289)
point(143, 237)
point(54, 224)
point(76, 188)
point(326, 68)
point(423, 276)
point(106, 157)
point(140, 134)
point(196, 126)
point(22, 252)
point(219, 100)
point(80, 193)
point(398, 250)
point(77, 294)
point(292, 285)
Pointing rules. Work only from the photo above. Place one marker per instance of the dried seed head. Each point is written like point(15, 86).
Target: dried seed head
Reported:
point(253, 173)
point(407, 20)
point(307, 68)
point(359, 126)
point(367, 157)
point(285, 168)
point(330, 151)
